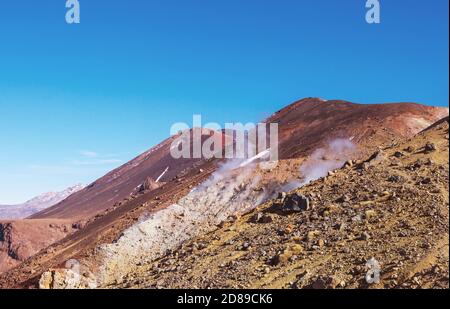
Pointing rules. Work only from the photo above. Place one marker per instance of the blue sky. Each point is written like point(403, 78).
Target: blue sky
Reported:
point(79, 100)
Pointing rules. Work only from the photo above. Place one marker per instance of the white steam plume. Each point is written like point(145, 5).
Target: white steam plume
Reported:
point(326, 159)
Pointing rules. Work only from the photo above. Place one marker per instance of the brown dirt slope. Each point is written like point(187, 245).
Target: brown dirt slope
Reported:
point(103, 228)
point(111, 204)
point(21, 239)
point(394, 208)
point(304, 126)
point(105, 195)
point(121, 183)
point(310, 122)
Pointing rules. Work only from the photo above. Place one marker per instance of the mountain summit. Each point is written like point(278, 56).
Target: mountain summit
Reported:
point(36, 204)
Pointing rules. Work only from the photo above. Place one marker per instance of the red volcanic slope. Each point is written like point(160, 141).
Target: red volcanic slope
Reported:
point(306, 124)
point(124, 181)
point(303, 126)
point(24, 238)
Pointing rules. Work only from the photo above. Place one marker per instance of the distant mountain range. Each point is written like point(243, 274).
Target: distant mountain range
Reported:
point(37, 204)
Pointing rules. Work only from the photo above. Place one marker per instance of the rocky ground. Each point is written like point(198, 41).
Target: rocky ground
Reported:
point(332, 229)
point(14, 248)
point(389, 212)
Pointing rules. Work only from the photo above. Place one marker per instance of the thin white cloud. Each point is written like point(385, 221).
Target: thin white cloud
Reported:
point(88, 161)
point(91, 158)
point(43, 169)
point(96, 162)
point(89, 154)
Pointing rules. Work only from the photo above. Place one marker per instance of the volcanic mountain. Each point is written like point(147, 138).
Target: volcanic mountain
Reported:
point(111, 209)
point(304, 126)
point(37, 204)
point(155, 165)
point(389, 211)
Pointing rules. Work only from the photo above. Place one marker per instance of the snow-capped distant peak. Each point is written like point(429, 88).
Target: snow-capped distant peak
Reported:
point(37, 204)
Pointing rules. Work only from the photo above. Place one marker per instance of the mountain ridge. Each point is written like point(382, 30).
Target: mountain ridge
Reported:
point(36, 204)
point(110, 205)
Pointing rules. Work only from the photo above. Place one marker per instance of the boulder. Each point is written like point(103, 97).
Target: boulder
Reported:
point(149, 185)
point(261, 218)
point(66, 279)
point(295, 203)
point(377, 157)
point(323, 283)
point(398, 154)
point(430, 147)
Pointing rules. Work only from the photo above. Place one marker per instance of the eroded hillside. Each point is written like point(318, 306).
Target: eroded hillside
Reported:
point(391, 209)
point(117, 246)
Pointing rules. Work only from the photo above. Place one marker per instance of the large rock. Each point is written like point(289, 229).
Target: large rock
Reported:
point(149, 185)
point(295, 203)
point(67, 279)
point(377, 157)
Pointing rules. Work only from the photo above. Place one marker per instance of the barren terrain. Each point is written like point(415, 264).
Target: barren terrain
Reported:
point(124, 222)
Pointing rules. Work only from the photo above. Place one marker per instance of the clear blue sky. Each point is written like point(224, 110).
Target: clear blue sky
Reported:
point(79, 100)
